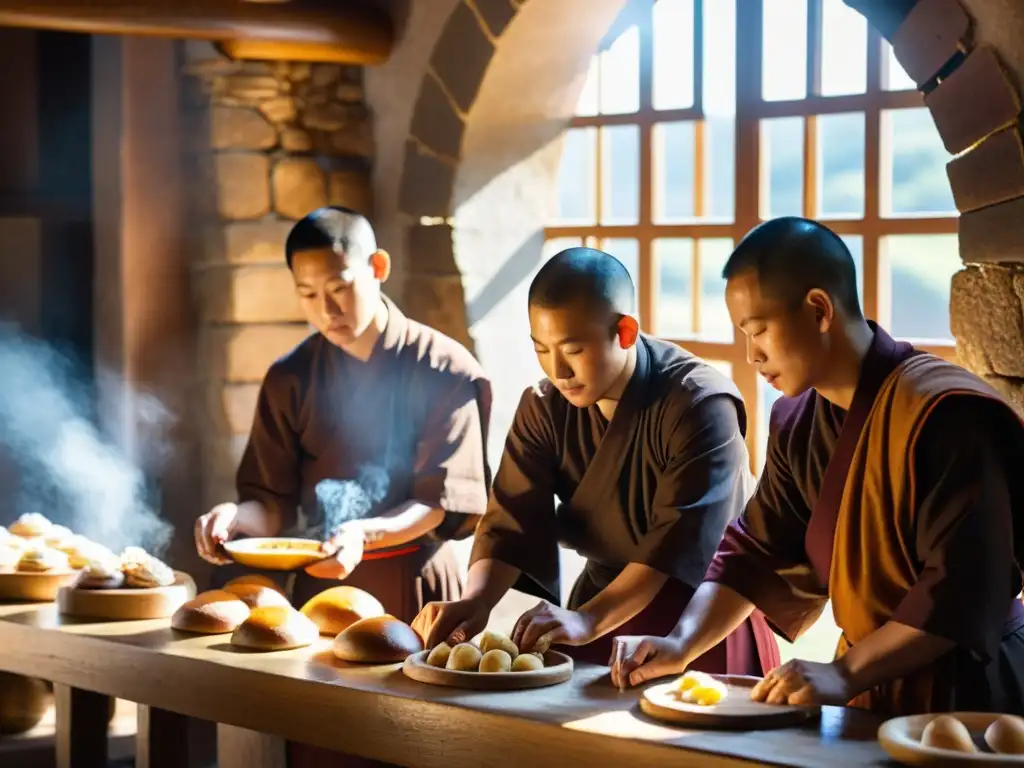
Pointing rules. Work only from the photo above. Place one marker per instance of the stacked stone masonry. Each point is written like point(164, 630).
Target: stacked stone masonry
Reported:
point(267, 143)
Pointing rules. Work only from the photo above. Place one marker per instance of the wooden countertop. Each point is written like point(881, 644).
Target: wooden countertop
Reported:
point(307, 695)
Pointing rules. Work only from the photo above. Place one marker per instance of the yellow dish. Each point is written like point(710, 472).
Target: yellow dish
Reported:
point(275, 554)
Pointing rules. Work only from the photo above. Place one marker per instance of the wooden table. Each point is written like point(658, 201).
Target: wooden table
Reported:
point(376, 712)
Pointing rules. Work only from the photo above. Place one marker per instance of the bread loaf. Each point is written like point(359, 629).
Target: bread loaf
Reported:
point(377, 640)
point(256, 595)
point(275, 628)
point(256, 579)
point(211, 613)
point(336, 609)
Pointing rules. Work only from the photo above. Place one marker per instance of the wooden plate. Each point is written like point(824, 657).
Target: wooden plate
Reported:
point(34, 587)
point(735, 711)
point(127, 603)
point(557, 669)
point(276, 554)
point(901, 738)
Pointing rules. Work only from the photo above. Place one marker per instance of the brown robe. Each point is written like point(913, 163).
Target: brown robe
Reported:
point(656, 485)
point(902, 510)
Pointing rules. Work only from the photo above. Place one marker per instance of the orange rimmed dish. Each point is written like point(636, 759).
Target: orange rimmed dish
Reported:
point(275, 554)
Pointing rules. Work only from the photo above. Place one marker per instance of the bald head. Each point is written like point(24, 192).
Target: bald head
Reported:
point(791, 256)
point(583, 275)
point(344, 231)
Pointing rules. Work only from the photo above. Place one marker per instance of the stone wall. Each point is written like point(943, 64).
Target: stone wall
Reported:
point(268, 142)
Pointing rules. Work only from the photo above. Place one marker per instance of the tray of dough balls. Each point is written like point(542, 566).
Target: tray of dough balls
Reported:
point(492, 664)
point(954, 738)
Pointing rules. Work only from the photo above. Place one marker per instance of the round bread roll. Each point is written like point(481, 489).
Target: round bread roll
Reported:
point(527, 662)
point(257, 579)
point(256, 595)
point(336, 609)
point(438, 657)
point(496, 660)
point(275, 628)
point(377, 640)
point(465, 657)
point(492, 640)
point(1006, 735)
point(211, 613)
point(946, 732)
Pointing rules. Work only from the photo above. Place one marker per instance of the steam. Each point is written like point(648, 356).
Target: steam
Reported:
point(340, 501)
point(67, 470)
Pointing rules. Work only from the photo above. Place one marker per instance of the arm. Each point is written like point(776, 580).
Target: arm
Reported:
point(628, 594)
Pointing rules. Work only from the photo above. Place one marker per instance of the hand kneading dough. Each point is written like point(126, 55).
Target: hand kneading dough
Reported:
point(211, 613)
point(377, 640)
point(257, 596)
point(492, 640)
point(275, 628)
point(1006, 735)
point(336, 609)
point(946, 732)
point(254, 578)
point(527, 662)
point(496, 660)
point(465, 657)
point(438, 657)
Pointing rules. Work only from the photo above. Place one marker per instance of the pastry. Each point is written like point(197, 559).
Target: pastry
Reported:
point(256, 596)
point(132, 556)
point(700, 688)
point(30, 525)
point(496, 660)
point(57, 534)
point(275, 628)
point(334, 610)
point(465, 657)
point(527, 662)
point(9, 556)
point(211, 613)
point(101, 571)
point(377, 640)
point(42, 559)
point(438, 656)
point(257, 579)
point(1005, 736)
point(149, 574)
point(946, 732)
point(492, 640)
point(83, 553)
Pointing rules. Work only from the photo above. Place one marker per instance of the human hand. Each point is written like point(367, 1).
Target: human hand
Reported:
point(455, 622)
point(342, 553)
point(803, 683)
point(545, 625)
point(637, 659)
point(211, 530)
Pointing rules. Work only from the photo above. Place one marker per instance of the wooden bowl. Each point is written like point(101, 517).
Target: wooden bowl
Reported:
point(275, 554)
point(24, 702)
point(127, 603)
point(557, 669)
point(736, 711)
point(34, 587)
point(901, 738)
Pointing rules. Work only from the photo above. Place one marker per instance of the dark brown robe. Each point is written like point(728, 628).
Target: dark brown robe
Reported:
point(656, 485)
point(901, 510)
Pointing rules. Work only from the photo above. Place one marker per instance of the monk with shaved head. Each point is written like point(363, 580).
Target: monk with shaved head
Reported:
point(629, 452)
point(890, 487)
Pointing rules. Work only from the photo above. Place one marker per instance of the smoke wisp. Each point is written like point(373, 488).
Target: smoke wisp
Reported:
point(341, 501)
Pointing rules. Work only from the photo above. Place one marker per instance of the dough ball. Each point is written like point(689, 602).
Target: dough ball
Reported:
point(465, 657)
point(946, 732)
point(1006, 735)
point(691, 680)
point(496, 660)
point(438, 656)
point(496, 641)
point(527, 662)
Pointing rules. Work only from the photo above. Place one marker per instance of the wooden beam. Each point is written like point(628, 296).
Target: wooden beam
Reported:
point(304, 30)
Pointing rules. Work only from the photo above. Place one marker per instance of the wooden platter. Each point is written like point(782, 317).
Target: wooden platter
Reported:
point(736, 711)
point(274, 554)
point(901, 738)
point(557, 669)
point(126, 603)
point(28, 586)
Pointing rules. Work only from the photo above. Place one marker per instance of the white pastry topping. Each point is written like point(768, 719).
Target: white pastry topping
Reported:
point(30, 524)
point(43, 559)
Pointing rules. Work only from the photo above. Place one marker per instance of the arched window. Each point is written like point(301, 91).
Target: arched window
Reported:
point(701, 118)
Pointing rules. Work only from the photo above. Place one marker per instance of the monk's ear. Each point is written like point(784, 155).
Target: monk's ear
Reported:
point(627, 329)
point(823, 307)
point(380, 261)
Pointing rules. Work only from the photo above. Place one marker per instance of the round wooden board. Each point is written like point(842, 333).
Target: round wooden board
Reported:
point(557, 669)
point(736, 711)
point(901, 738)
point(34, 587)
point(127, 603)
point(274, 554)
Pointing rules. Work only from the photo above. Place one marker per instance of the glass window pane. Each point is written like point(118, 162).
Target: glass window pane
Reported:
point(673, 263)
point(784, 50)
point(855, 243)
point(722, 365)
point(920, 270)
point(719, 97)
point(782, 167)
point(719, 168)
point(587, 105)
point(620, 174)
point(840, 165)
point(626, 250)
point(673, 171)
point(576, 182)
point(620, 74)
point(558, 244)
point(766, 397)
point(673, 54)
point(913, 177)
point(894, 76)
point(844, 49)
point(715, 324)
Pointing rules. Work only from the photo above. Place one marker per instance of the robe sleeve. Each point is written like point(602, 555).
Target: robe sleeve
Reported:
point(963, 527)
point(519, 526)
point(762, 555)
point(701, 489)
point(269, 470)
point(450, 467)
